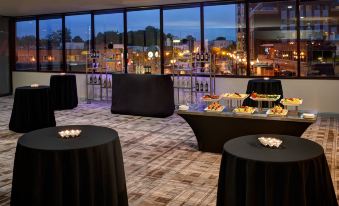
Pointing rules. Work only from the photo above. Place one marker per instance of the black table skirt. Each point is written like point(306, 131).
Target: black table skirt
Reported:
point(87, 171)
point(262, 86)
point(32, 109)
point(289, 177)
point(64, 91)
point(144, 95)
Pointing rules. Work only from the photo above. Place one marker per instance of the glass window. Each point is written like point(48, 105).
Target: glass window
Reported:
point(50, 32)
point(273, 47)
point(77, 38)
point(143, 41)
point(319, 35)
point(26, 45)
point(182, 35)
point(225, 27)
point(109, 39)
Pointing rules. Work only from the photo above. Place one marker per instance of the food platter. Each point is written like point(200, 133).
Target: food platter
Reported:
point(244, 110)
point(291, 101)
point(277, 111)
point(210, 98)
point(236, 96)
point(265, 97)
point(214, 107)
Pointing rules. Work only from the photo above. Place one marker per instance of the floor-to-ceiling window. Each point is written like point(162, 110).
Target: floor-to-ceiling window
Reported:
point(273, 38)
point(5, 83)
point(109, 38)
point(182, 36)
point(143, 29)
point(319, 37)
point(225, 37)
point(78, 41)
point(50, 44)
point(26, 46)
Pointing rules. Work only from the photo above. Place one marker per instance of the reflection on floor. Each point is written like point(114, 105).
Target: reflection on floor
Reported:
point(162, 164)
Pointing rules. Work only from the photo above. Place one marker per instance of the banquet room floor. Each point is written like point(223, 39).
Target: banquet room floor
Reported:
point(162, 163)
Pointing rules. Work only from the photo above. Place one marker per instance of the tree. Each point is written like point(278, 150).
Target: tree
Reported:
point(220, 38)
point(77, 39)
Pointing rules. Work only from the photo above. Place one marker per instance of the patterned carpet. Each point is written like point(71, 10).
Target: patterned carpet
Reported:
point(162, 164)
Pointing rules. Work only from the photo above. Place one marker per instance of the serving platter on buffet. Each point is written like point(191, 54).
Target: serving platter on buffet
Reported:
point(214, 107)
point(235, 96)
point(246, 110)
point(277, 111)
point(265, 97)
point(210, 98)
point(294, 102)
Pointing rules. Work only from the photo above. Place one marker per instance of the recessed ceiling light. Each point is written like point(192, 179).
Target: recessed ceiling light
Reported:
point(289, 7)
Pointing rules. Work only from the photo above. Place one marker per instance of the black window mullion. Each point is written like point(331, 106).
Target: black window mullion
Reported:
point(297, 14)
point(202, 29)
point(64, 57)
point(125, 41)
point(37, 42)
point(162, 60)
point(247, 40)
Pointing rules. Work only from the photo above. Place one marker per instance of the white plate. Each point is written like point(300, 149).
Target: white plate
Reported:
point(219, 110)
point(290, 104)
point(244, 113)
point(308, 116)
point(270, 113)
point(266, 99)
point(243, 96)
point(184, 107)
point(210, 100)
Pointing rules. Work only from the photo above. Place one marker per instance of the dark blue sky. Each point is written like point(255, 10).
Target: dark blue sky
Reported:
point(219, 21)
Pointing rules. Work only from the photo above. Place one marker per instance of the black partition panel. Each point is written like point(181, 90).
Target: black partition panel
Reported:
point(5, 83)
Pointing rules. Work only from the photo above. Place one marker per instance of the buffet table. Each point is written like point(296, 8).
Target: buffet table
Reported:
point(32, 109)
point(263, 86)
point(144, 95)
point(213, 129)
point(294, 174)
point(87, 170)
point(64, 91)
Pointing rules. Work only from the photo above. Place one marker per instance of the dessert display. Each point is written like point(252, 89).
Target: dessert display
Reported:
point(291, 101)
point(271, 142)
point(264, 97)
point(244, 110)
point(34, 85)
point(211, 97)
point(214, 107)
point(277, 111)
point(235, 96)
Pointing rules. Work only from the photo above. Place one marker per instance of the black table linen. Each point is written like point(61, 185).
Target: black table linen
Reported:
point(64, 91)
point(295, 174)
point(86, 171)
point(144, 95)
point(263, 86)
point(32, 109)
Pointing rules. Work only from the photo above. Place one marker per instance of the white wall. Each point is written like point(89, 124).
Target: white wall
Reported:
point(320, 95)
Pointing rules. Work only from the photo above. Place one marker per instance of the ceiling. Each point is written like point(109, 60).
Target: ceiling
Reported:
point(36, 7)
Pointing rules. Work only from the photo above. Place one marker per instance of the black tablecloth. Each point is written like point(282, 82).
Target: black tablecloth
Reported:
point(32, 109)
point(64, 91)
point(88, 170)
point(144, 95)
point(262, 86)
point(294, 175)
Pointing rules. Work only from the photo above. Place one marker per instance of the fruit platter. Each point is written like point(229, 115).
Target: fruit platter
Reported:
point(235, 95)
point(291, 101)
point(214, 107)
point(264, 97)
point(244, 110)
point(277, 111)
point(210, 98)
